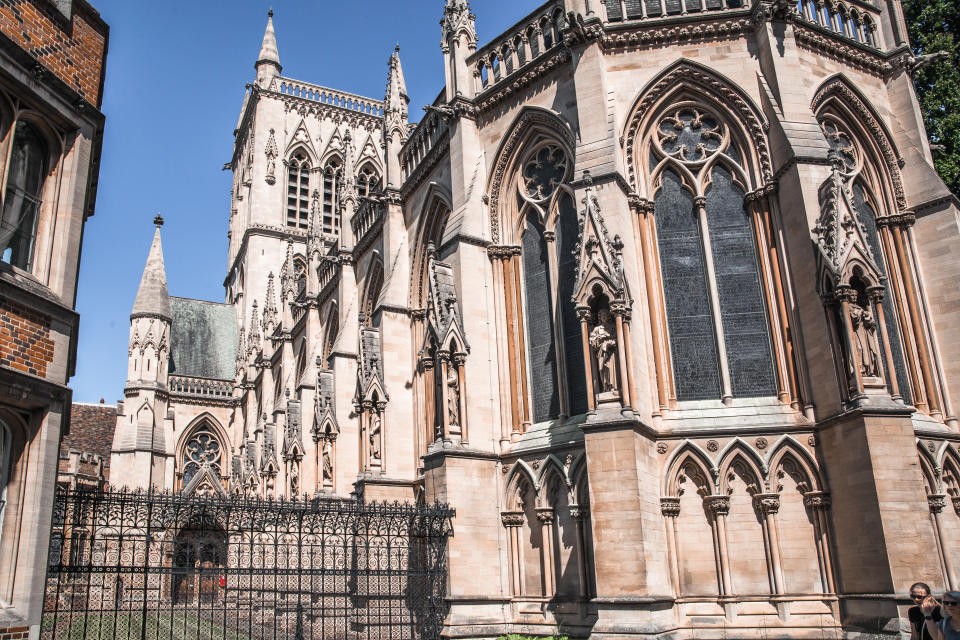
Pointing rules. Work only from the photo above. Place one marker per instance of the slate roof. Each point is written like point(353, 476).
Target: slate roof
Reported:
point(203, 339)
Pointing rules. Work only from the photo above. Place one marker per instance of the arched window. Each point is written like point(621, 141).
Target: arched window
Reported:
point(548, 237)
point(331, 204)
point(26, 171)
point(368, 181)
point(330, 337)
point(202, 449)
point(718, 329)
point(298, 190)
point(372, 294)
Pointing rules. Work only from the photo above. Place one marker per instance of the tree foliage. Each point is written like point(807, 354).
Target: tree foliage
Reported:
point(934, 25)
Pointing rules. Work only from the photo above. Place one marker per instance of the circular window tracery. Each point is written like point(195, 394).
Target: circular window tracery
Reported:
point(543, 172)
point(202, 448)
point(690, 135)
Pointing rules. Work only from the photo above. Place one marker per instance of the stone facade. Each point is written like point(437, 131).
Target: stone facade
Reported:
point(657, 295)
point(52, 62)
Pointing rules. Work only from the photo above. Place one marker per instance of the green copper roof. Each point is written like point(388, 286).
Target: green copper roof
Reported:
point(203, 339)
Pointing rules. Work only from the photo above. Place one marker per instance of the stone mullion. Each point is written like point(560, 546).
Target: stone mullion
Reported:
point(583, 313)
point(726, 389)
point(513, 521)
point(894, 277)
point(876, 297)
point(651, 274)
point(769, 504)
point(936, 504)
point(916, 321)
point(719, 507)
point(819, 502)
point(670, 508)
point(786, 389)
point(547, 551)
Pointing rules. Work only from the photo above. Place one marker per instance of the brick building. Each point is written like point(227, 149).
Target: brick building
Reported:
point(52, 56)
point(85, 448)
point(660, 295)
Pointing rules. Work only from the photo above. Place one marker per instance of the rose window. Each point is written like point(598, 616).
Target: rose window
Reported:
point(690, 135)
point(543, 172)
point(203, 448)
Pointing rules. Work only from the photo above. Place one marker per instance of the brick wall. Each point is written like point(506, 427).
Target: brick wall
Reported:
point(15, 633)
point(25, 342)
point(74, 52)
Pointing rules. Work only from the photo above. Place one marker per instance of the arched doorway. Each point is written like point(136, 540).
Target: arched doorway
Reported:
point(198, 562)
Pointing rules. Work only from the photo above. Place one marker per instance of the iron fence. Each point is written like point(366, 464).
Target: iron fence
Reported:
point(128, 565)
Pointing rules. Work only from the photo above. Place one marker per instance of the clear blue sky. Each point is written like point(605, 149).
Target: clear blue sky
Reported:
point(176, 72)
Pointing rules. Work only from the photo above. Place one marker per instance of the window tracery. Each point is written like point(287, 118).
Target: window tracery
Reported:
point(202, 449)
point(298, 190)
point(368, 181)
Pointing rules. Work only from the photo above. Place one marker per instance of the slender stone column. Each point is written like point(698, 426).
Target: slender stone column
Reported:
point(514, 521)
point(444, 396)
point(876, 296)
point(937, 503)
point(650, 271)
point(670, 508)
point(459, 361)
point(547, 551)
point(769, 504)
point(583, 313)
point(719, 506)
point(578, 514)
point(618, 311)
point(725, 385)
point(819, 502)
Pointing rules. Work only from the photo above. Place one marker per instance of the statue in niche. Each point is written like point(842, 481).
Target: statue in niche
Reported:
point(294, 479)
point(604, 347)
point(453, 395)
point(375, 437)
point(269, 486)
point(865, 339)
point(327, 459)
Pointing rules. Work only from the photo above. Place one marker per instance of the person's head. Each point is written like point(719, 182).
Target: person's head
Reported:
point(919, 591)
point(951, 604)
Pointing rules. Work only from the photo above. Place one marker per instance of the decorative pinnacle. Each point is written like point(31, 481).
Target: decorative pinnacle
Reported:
point(270, 12)
point(158, 221)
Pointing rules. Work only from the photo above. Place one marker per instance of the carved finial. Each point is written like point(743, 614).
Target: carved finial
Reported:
point(587, 179)
point(396, 49)
point(158, 221)
point(431, 248)
point(270, 12)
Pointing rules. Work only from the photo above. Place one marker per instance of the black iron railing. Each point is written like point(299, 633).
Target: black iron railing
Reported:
point(129, 565)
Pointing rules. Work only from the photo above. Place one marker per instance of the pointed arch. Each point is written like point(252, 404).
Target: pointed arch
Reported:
point(331, 329)
point(787, 456)
point(685, 79)
point(929, 469)
point(740, 458)
point(552, 474)
point(527, 125)
point(840, 93)
point(520, 473)
point(689, 462)
point(373, 283)
point(431, 224)
point(204, 441)
point(950, 470)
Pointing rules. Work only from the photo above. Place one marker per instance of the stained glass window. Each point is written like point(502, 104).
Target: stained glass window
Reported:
point(202, 448)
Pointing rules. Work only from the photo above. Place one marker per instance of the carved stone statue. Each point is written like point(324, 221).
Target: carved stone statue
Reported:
point(375, 453)
point(865, 340)
point(294, 479)
point(604, 348)
point(327, 458)
point(453, 396)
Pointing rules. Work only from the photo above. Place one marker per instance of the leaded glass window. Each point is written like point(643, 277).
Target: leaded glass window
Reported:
point(331, 208)
point(203, 448)
point(26, 171)
point(298, 190)
point(716, 335)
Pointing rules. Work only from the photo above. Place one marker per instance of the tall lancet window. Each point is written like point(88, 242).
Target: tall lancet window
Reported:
point(331, 186)
point(298, 190)
point(548, 239)
point(719, 335)
point(368, 181)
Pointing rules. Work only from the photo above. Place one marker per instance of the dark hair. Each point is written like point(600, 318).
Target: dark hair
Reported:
point(921, 585)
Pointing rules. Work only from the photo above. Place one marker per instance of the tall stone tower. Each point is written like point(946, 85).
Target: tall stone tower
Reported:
point(140, 453)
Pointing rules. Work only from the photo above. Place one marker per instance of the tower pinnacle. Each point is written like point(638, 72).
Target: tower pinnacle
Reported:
point(268, 62)
point(152, 299)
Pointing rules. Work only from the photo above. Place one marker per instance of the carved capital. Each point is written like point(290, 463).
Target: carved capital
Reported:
point(936, 503)
point(578, 512)
point(459, 358)
point(876, 293)
point(583, 314)
point(717, 505)
point(700, 202)
point(381, 405)
point(512, 519)
point(767, 502)
point(956, 504)
point(549, 236)
point(817, 500)
point(670, 507)
point(545, 515)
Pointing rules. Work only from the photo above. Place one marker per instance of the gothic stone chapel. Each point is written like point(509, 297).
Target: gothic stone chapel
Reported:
point(659, 295)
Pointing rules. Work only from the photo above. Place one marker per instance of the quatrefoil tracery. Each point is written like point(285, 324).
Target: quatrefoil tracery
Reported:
point(543, 172)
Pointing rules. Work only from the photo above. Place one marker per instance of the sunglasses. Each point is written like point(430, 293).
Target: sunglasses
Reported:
point(914, 596)
point(950, 603)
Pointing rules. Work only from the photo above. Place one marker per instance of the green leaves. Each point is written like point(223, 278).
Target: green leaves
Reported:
point(934, 25)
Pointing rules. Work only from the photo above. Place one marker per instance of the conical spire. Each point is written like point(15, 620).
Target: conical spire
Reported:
point(268, 50)
point(396, 97)
point(152, 298)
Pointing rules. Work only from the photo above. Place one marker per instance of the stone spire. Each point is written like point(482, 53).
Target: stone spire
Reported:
point(459, 41)
point(152, 299)
point(395, 118)
point(268, 62)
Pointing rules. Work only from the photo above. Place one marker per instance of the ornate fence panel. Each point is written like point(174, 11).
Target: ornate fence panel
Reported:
point(159, 566)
